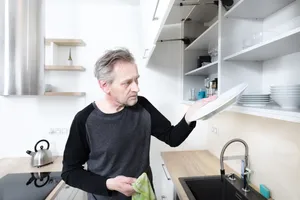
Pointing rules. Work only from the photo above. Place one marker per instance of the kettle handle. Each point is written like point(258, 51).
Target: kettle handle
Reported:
point(35, 147)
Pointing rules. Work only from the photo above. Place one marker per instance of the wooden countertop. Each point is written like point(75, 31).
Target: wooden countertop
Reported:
point(22, 165)
point(191, 163)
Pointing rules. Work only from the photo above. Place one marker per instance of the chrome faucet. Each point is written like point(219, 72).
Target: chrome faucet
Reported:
point(242, 157)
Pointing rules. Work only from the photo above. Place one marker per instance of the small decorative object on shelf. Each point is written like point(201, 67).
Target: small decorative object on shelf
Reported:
point(48, 88)
point(70, 61)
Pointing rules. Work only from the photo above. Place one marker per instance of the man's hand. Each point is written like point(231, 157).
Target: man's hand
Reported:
point(121, 184)
point(196, 106)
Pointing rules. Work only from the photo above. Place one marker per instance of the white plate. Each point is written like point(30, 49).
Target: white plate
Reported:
point(221, 103)
point(255, 98)
point(286, 92)
point(255, 105)
point(285, 96)
point(254, 101)
point(255, 95)
point(281, 86)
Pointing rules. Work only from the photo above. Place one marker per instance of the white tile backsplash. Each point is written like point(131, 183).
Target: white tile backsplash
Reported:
point(274, 150)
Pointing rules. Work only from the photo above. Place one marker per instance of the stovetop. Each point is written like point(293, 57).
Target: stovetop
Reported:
point(28, 186)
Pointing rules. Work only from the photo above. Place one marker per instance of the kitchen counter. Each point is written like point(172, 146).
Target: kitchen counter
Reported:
point(22, 165)
point(178, 164)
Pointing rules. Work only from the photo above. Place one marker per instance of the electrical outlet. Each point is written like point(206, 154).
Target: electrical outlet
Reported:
point(215, 130)
point(58, 131)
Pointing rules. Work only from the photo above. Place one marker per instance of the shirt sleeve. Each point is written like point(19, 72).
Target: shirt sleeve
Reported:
point(162, 129)
point(75, 156)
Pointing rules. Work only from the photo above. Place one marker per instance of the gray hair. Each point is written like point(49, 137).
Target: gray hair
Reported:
point(105, 64)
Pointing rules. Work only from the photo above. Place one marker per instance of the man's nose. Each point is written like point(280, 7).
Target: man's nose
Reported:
point(135, 87)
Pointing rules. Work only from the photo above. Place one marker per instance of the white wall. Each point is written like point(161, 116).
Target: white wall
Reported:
point(274, 150)
point(25, 120)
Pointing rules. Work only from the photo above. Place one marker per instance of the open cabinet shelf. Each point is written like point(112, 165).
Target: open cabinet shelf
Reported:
point(78, 94)
point(272, 59)
point(202, 42)
point(256, 9)
point(63, 68)
point(272, 112)
point(65, 42)
point(282, 45)
point(206, 70)
point(188, 103)
point(178, 13)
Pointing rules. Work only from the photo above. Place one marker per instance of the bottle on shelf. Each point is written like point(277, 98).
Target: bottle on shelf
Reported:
point(70, 60)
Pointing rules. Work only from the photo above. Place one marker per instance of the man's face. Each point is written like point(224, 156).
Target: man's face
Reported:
point(124, 88)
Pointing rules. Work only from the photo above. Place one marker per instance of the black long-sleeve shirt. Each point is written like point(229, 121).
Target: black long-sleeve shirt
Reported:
point(115, 144)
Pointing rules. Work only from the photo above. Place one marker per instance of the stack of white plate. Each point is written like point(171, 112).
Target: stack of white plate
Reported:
point(287, 96)
point(254, 100)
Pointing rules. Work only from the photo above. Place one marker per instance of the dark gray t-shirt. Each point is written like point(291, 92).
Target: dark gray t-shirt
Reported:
point(115, 144)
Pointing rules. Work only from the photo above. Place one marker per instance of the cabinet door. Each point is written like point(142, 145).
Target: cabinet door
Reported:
point(153, 14)
point(167, 190)
point(81, 195)
point(67, 193)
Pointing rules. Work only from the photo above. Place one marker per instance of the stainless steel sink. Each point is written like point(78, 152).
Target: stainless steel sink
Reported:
point(213, 188)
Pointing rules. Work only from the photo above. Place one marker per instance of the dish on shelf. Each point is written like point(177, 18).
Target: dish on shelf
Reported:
point(220, 104)
point(255, 100)
point(287, 96)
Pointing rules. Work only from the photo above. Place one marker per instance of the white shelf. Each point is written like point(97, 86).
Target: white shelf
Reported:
point(272, 112)
point(63, 68)
point(65, 42)
point(178, 13)
point(64, 94)
point(256, 9)
point(211, 68)
point(188, 103)
point(284, 44)
point(202, 42)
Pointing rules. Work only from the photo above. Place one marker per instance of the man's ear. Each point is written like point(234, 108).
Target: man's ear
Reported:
point(104, 86)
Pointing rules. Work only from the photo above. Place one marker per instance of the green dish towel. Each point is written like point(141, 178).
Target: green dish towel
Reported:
point(143, 189)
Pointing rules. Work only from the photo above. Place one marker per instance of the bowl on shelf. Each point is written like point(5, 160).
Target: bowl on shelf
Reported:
point(287, 96)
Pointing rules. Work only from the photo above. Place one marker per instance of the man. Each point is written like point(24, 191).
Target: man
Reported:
point(112, 135)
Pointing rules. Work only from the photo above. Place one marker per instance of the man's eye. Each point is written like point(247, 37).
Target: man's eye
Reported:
point(127, 83)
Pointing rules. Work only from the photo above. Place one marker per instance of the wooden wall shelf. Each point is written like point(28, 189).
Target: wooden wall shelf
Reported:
point(65, 42)
point(64, 94)
point(63, 68)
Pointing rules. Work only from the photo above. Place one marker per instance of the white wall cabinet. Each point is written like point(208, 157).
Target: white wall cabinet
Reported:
point(71, 193)
point(260, 48)
point(66, 193)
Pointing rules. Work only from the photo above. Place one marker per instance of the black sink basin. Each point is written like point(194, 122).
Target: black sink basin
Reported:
point(212, 188)
point(202, 188)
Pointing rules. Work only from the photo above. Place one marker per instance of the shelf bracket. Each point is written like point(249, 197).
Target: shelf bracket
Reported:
point(185, 40)
point(197, 3)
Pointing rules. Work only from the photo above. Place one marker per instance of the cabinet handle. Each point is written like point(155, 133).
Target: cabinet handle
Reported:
point(155, 18)
point(163, 197)
point(145, 53)
point(163, 166)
